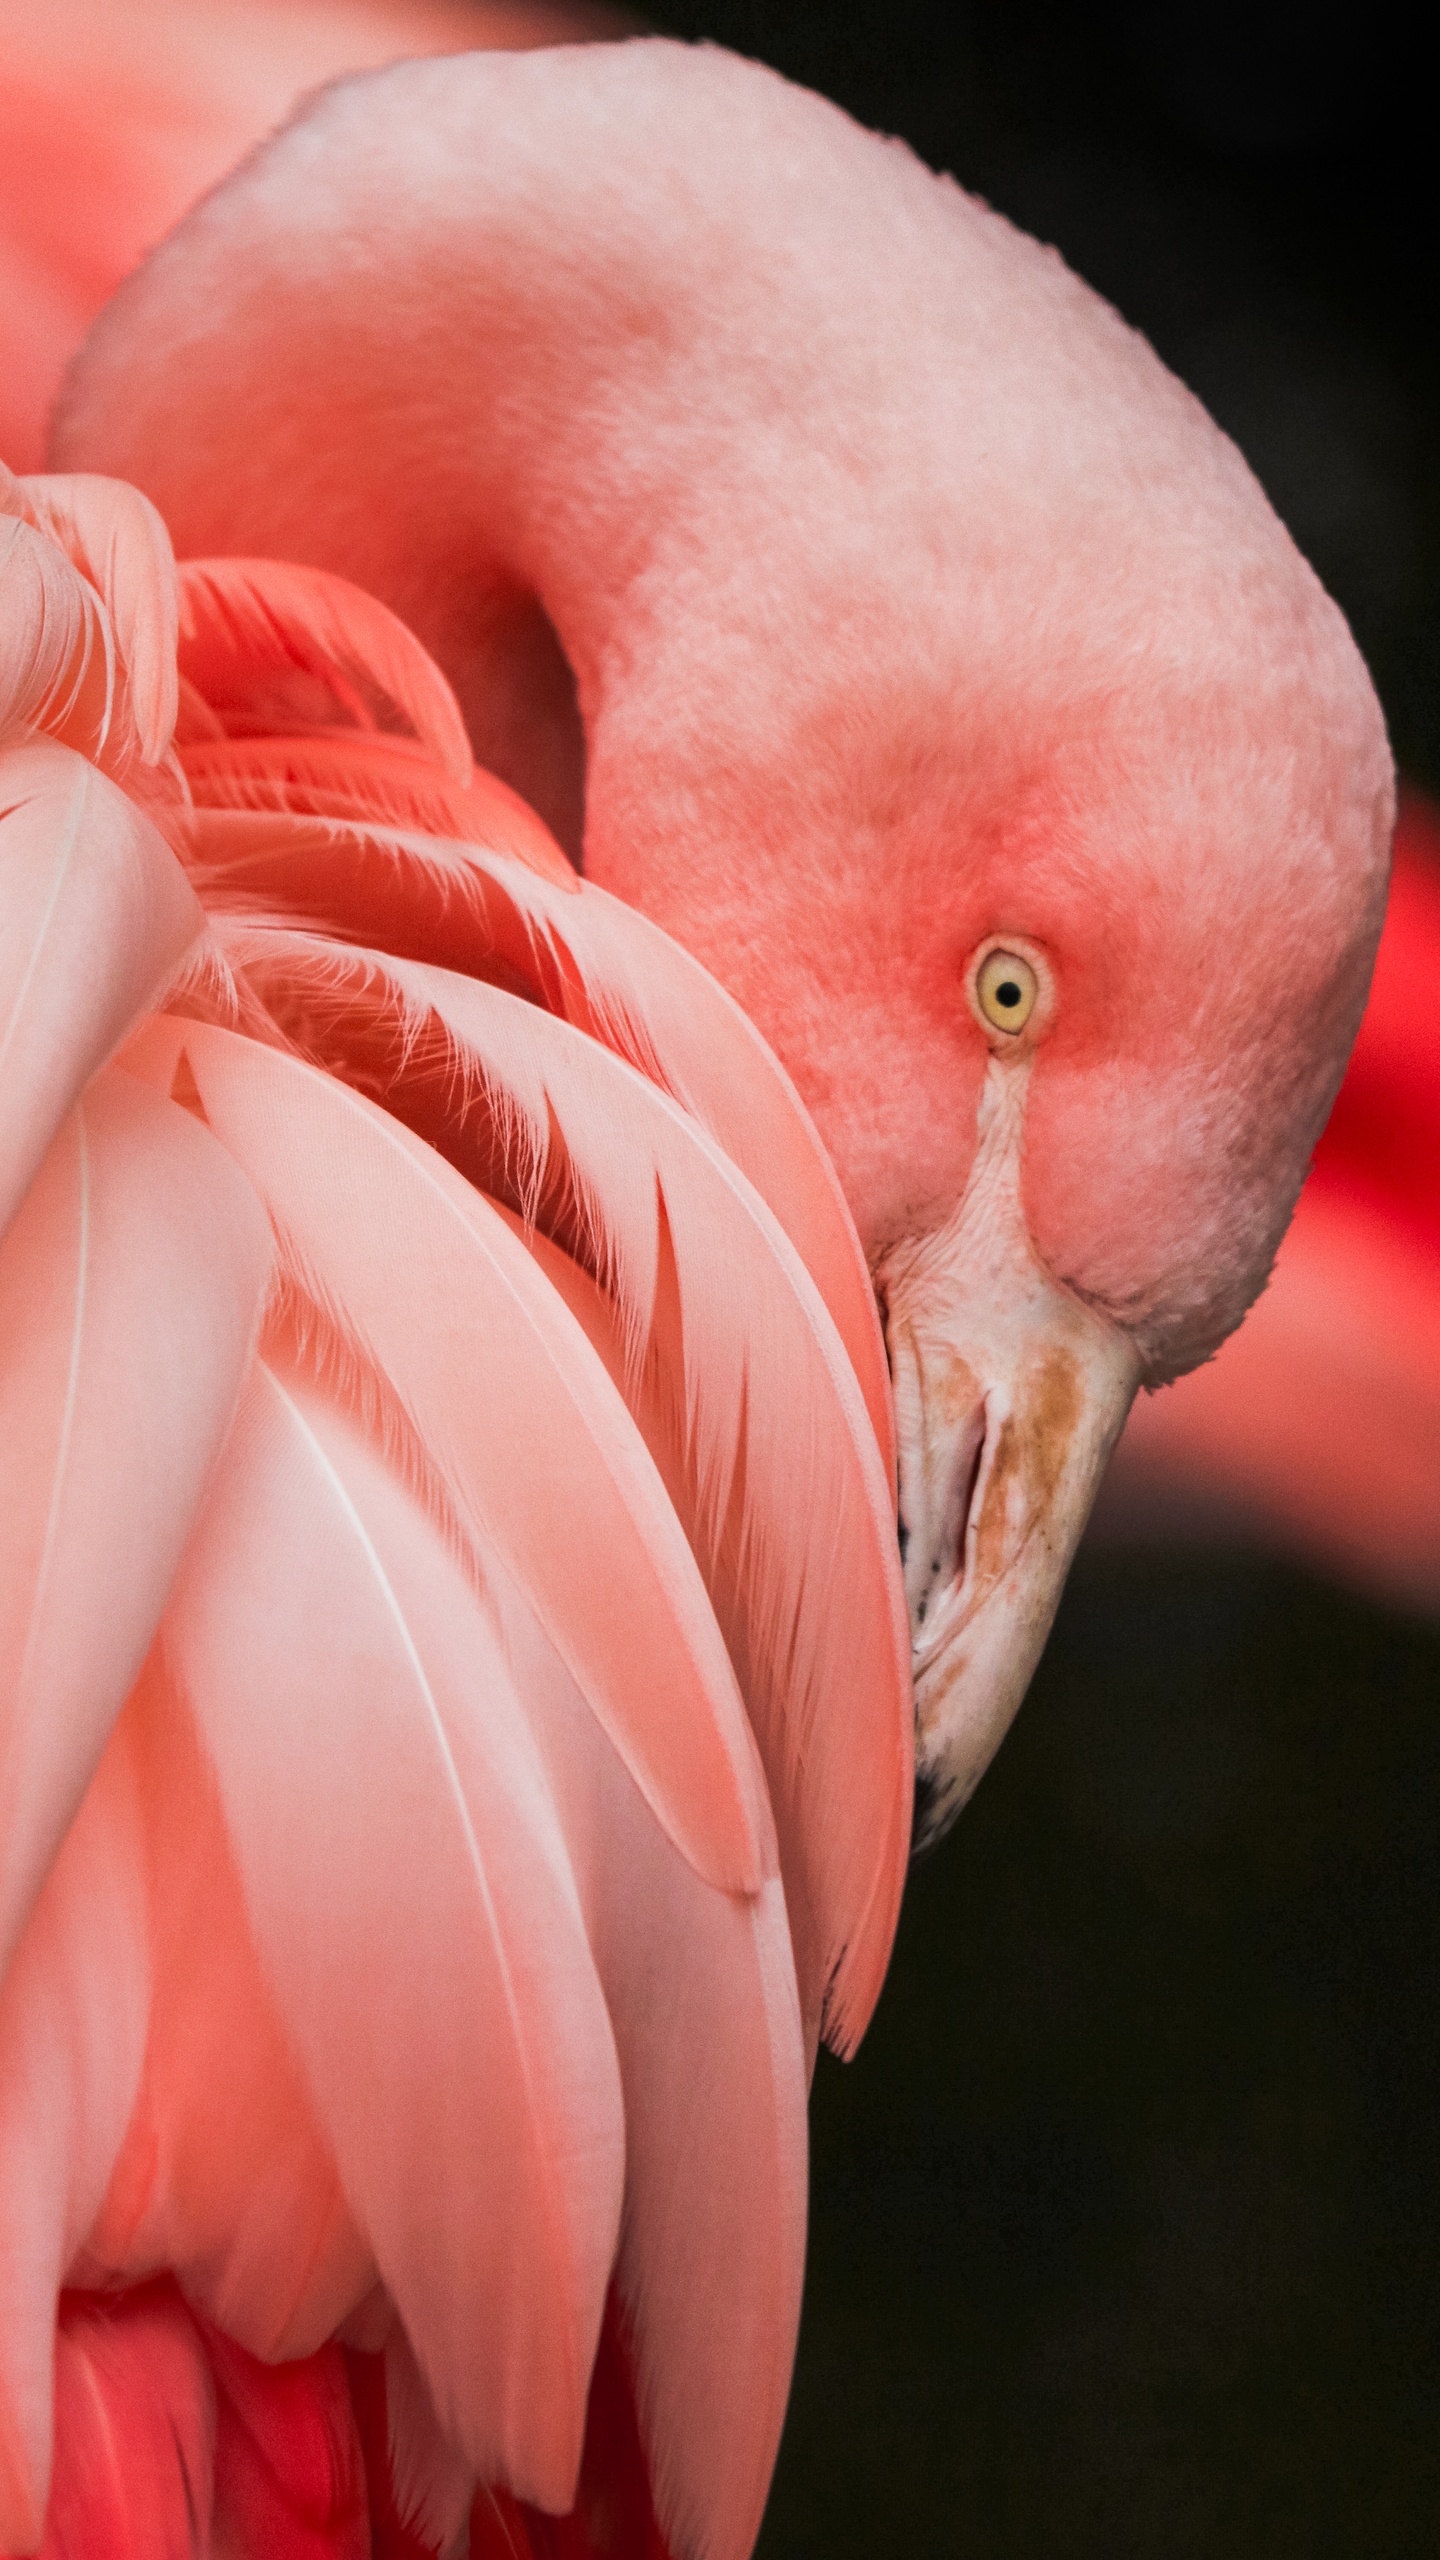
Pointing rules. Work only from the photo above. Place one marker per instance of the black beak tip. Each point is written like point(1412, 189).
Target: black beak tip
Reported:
point(935, 1810)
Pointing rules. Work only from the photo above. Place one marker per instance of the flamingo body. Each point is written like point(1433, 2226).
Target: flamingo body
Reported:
point(587, 1819)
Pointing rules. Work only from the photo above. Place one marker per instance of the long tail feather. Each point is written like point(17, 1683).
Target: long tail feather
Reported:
point(130, 1284)
point(97, 913)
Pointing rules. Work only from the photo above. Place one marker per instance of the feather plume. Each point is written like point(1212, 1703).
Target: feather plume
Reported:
point(130, 1283)
point(596, 963)
point(225, 2178)
point(734, 1371)
point(118, 542)
point(700, 1989)
point(74, 2006)
point(433, 2485)
point(261, 640)
point(368, 777)
point(411, 1903)
point(289, 2474)
point(97, 913)
point(57, 653)
point(542, 1460)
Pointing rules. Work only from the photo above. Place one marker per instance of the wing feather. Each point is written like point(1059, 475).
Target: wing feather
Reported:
point(96, 913)
point(368, 777)
point(410, 1901)
point(735, 1373)
point(57, 652)
point(516, 1412)
point(701, 1993)
point(74, 2006)
point(260, 638)
point(135, 2428)
point(130, 1284)
point(118, 542)
point(590, 959)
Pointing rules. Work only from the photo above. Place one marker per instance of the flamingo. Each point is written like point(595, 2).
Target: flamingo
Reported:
point(1316, 1430)
point(459, 1729)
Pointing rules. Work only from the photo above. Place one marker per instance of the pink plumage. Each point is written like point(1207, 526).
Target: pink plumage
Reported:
point(385, 1645)
point(135, 2406)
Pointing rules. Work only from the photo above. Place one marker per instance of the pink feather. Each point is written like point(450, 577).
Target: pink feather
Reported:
point(97, 913)
point(448, 1308)
point(225, 2177)
point(135, 2405)
point(701, 1993)
point(729, 1361)
point(432, 2484)
point(371, 778)
point(289, 2474)
point(57, 654)
point(409, 1895)
point(74, 2008)
point(594, 961)
point(261, 640)
point(118, 542)
point(130, 1283)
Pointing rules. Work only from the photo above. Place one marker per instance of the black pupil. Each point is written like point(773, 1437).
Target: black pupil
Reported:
point(1007, 993)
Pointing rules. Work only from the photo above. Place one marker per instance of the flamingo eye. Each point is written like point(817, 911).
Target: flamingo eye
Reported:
point(1006, 991)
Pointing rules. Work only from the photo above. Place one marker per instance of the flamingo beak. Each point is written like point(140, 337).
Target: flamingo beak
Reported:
point(1010, 1394)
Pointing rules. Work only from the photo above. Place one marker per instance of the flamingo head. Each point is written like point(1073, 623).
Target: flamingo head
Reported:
point(1059, 899)
point(928, 662)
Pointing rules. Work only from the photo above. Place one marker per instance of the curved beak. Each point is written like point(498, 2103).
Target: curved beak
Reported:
point(1010, 1394)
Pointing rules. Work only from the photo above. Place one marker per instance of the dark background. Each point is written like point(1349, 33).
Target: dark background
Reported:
point(1125, 2236)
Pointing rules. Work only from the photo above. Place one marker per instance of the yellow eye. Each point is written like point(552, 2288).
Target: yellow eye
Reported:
point(1006, 991)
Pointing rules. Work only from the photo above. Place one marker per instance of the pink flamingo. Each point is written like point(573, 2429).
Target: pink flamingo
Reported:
point(457, 1722)
point(1317, 1430)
